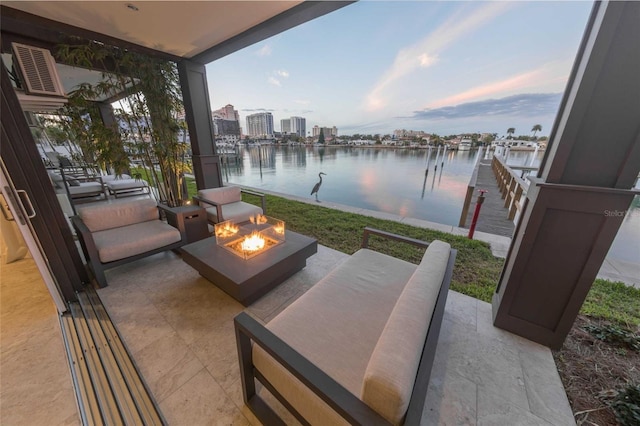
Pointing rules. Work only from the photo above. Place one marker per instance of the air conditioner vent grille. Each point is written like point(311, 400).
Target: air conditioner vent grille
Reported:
point(38, 70)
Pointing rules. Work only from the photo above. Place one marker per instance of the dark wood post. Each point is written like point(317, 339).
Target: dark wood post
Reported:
point(195, 93)
point(576, 204)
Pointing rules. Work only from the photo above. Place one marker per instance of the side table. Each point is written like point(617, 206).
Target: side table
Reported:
point(191, 220)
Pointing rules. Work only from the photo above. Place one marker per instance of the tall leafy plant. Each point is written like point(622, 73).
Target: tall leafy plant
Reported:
point(147, 122)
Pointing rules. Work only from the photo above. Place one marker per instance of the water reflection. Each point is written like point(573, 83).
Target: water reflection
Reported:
point(388, 180)
point(397, 181)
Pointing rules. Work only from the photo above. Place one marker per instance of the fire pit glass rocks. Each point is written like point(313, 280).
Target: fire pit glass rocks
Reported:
point(251, 238)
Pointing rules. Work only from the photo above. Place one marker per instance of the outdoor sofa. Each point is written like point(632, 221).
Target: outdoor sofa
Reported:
point(358, 347)
point(113, 234)
point(225, 203)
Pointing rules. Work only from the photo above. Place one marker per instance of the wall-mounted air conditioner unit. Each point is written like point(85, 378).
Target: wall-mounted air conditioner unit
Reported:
point(38, 70)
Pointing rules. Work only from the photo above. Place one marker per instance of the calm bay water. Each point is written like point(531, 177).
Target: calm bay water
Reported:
point(388, 180)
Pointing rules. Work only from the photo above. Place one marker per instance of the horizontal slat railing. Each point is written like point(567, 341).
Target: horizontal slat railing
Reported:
point(512, 187)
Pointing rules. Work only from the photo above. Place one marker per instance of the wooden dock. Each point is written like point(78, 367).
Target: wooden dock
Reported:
point(493, 218)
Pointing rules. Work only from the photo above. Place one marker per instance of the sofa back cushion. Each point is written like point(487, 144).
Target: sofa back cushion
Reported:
point(393, 366)
point(224, 195)
point(101, 217)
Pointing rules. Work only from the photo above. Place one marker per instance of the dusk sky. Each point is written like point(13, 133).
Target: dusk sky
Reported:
point(442, 67)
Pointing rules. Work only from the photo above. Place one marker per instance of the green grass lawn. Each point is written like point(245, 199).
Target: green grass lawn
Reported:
point(476, 270)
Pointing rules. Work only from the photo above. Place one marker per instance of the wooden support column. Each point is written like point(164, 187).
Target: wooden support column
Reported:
point(576, 204)
point(195, 93)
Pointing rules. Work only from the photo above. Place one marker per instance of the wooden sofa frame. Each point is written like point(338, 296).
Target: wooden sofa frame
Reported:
point(85, 237)
point(218, 206)
point(347, 405)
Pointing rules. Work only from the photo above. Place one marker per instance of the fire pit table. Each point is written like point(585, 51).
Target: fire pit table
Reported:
point(247, 278)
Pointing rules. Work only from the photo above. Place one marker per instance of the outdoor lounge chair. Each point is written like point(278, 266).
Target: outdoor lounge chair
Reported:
point(226, 203)
point(125, 185)
point(77, 187)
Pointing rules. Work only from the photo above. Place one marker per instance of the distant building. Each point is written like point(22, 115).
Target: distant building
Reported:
point(294, 125)
point(285, 125)
point(227, 112)
point(226, 124)
point(328, 132)
point(404, 134)
point(260, 125)
point(299, 126)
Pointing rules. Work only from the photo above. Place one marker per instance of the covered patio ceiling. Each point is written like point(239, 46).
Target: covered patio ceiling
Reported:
point(201, 31)
point(198, 31)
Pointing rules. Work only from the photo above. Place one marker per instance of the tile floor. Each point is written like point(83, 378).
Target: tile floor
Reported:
point(178, 328)
point(35, 383)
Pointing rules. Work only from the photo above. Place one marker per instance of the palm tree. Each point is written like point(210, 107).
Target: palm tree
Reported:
point(536, 128)
point(511, 131)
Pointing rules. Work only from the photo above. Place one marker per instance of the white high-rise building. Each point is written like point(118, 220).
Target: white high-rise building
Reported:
point(260, 125)
point(299, 126)
point(285, 125)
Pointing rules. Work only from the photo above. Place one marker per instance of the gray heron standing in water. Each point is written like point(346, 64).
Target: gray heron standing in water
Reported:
point(316, 187)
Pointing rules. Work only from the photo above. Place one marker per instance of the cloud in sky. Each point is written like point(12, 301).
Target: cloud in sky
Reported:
point(425, 53)
point(517, 82)
point(257, 110)
point(264, 50)
point(527, 104)
point(274, 81)
point(275, 78)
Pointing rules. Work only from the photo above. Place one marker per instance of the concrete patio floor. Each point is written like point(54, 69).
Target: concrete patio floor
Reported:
point(178, 328)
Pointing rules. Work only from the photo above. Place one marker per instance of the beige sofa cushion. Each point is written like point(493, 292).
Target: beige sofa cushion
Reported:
point(392, 369)
point(336, 326)
point(237, 212)
point(101, 217)
point(223, 195)
point(119, 243)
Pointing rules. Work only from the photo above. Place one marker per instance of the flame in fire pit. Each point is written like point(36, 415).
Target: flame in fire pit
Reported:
point(258, 219)
point(254, 242)
point(227, 230)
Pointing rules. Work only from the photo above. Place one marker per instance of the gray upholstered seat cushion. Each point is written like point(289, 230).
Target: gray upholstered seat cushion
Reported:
point(126, 241)
point(230, 199)
point(108, 178)
point(336, 325)
point(124, 184)
point(392, 369)
point(86, 188)
point(122, 213)
point(237, 212)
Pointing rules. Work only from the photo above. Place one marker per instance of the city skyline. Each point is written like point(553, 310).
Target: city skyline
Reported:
point(441, 67)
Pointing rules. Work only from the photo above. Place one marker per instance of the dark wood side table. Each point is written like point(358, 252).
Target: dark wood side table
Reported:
point(191, 220)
